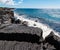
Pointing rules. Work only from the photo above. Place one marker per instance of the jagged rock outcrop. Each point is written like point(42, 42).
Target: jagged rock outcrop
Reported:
point(6, 15)
point(53, 40)
point(20, 37)
point(16, 37)
point(17, 28)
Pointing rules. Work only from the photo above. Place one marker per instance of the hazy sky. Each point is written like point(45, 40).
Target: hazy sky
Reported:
point(30, 3)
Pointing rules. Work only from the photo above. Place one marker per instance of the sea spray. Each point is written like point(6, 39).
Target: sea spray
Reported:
point(46, 29)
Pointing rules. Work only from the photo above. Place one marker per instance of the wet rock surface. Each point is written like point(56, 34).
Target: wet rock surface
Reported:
point(20, 37)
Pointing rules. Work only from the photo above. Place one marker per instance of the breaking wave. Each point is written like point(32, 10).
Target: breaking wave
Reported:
point(46, 28)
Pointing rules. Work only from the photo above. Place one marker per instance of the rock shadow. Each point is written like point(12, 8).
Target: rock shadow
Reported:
point(21, 37)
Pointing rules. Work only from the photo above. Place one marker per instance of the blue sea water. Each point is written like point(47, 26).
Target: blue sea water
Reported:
point(50, 17)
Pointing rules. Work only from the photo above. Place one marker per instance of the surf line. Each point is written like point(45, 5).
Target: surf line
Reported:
point(46, 29)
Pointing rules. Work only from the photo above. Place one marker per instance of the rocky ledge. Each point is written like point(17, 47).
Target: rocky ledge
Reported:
point(20, 37)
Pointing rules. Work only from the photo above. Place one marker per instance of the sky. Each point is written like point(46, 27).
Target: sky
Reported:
point(30, 3)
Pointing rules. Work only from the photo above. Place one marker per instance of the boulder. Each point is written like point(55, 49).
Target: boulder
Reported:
point(25, 23)
point(54, 40)
point(5, 16)
point(18, 21)
point(17, 28)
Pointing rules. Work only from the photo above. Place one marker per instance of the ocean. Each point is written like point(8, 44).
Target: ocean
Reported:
point(49, 17)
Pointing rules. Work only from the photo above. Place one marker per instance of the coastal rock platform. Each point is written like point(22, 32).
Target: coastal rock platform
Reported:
point(20, 37)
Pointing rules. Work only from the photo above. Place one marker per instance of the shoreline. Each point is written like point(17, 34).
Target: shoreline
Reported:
point(26, 34)
point(46, 29)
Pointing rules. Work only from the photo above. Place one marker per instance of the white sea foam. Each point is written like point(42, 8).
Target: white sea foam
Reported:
point(46, 29)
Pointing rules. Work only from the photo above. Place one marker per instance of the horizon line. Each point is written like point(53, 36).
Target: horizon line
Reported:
point(32, 8)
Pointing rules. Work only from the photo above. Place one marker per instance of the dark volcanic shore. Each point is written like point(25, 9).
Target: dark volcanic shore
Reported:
point(17, 36)
point(20, 37)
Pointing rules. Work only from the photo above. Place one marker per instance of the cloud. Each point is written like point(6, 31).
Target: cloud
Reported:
point(20, 1)
point(11, 2)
